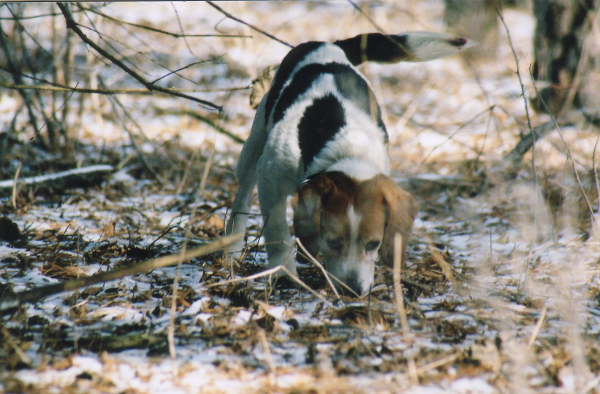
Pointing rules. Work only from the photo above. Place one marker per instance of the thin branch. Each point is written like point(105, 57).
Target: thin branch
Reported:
point(516, 155)
point(176, 35)
point(78, 177)
point(21, 18)
point(267, 350)
point(48, 120)
point(71, 24)
point(9, 303)
point(320, 266)
point(139, 152)
point(203, 119)
point(537, 328)
point(523, 284)
point(272, 271)
point(569, 153)
point(15, 346)
point(180, 69)
point(187, 44)
point(371, 21)
point(228, 15)
point(17, 79)
point(62, 88)
point(14, 189)
point(133, 50)
point(456, 132)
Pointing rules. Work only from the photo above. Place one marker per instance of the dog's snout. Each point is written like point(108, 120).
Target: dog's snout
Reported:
point(354, 282)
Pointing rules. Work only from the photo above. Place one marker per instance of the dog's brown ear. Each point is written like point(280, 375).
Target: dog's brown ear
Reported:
point(307, 209)
point(402, 210)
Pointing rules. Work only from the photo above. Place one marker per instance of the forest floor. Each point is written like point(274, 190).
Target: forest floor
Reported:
point(502, 286)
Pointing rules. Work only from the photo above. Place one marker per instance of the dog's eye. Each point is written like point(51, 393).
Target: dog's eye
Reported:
point(370, 246)
point(335, 244)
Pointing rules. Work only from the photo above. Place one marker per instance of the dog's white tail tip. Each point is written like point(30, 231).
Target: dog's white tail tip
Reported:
point(426, 46)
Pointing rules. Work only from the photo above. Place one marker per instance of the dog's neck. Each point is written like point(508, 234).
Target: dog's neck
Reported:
point(356, 168)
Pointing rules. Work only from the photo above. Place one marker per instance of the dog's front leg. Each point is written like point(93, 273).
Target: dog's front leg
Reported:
point(272, 199)
point(247, 175)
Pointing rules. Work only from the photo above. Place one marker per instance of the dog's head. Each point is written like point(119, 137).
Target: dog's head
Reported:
point(352, 223)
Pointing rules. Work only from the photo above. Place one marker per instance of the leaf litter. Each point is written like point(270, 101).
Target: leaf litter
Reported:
point(501, 288)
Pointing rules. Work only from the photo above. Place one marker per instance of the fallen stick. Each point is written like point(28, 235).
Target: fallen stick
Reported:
point(10, 303)
point(79, 177)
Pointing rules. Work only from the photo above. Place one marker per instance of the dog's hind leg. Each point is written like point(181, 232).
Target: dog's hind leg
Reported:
point(246, 175)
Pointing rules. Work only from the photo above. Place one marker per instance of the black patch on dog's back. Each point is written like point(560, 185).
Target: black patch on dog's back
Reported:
point(286, 67)
point(349, 83)
point(319, 124)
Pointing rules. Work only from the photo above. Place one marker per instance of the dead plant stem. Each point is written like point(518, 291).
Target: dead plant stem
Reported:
point(523, 284)
point(569, 153)
point(14, 190)
point(320, 266)
point(227, 14)
point(412, 367)
point(537, 328)
point(267, 349)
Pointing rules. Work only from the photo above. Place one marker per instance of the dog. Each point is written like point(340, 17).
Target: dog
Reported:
point(318, 136)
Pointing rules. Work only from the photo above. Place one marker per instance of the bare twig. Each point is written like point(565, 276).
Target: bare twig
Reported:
point(14, 189)
point(64, 179)
point(537, 328)
point(516, 155)
point(15, 346)
point(201, 118)
point(273, 271)
point(106, 37)
point(319, 265)
point(187, 44)
point(227, 14)
point(569, 153)
point(431, 366)
point(71, 24)
point(153, 29)
point(267, 349)
point(11, 302)
point(414, 104)
point(137, 149)
point(523, 283)
point(270, 271)
point(179, 69)
point(47, 120)
point(456, 132)
point(61, 88)
point(371, 21)
point(12, 68)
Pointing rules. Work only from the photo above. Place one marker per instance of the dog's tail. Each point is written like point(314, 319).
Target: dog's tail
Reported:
point(416, 46)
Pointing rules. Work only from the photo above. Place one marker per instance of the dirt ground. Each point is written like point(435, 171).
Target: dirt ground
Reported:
point(502, 283)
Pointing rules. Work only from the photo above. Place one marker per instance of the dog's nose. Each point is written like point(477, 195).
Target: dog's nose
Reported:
point(353, 283)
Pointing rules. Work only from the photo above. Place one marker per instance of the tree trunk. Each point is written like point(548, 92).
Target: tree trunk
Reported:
point(567, 56)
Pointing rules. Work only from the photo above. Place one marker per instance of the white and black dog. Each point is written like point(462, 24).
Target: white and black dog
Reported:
point(318, 135)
